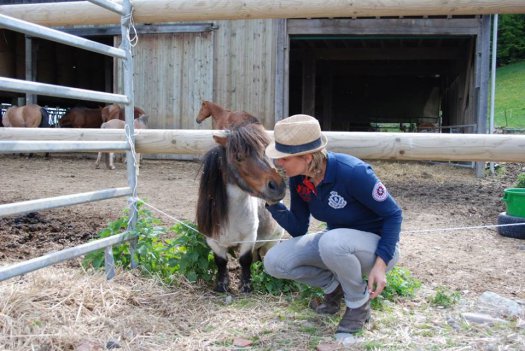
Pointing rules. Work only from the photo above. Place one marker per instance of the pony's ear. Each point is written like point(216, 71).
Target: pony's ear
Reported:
point(221, 136)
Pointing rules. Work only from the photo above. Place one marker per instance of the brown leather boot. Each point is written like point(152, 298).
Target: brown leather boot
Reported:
point(354, 319)
point(331, 303)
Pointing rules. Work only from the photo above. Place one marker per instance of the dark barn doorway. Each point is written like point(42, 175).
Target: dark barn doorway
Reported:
point(55, 63)
point(355, 83)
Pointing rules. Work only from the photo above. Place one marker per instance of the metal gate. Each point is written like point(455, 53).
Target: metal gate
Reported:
point(9, 146)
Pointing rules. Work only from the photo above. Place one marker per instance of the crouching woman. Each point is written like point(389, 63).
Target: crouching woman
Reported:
point(363, 223)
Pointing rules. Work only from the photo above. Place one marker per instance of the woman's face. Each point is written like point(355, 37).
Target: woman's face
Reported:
point(294, 165)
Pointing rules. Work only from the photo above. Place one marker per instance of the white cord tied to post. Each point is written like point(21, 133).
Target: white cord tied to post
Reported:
point(488, 226)
point(133, 39)
point(133, 199)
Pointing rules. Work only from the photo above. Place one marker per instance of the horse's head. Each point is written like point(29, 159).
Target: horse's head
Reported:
point(247, 163)
point(141, 122)
point(204, 112)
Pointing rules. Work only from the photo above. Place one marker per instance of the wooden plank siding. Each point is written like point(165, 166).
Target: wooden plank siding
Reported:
point(173, 73)
point(245, 67)
point(234, 66)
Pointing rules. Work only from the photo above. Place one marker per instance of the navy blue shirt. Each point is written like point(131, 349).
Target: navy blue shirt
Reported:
point(349, 196)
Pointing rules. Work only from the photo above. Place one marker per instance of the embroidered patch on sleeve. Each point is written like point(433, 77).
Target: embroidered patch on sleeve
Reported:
point(379, 193)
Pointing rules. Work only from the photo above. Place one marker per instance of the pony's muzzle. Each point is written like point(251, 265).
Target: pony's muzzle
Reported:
point(275, 190)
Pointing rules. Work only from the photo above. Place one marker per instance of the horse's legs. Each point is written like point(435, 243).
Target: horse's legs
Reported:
point(108, 156)
point(246, 281)
point(97, 162)
point(223, 281)
point(109, 160)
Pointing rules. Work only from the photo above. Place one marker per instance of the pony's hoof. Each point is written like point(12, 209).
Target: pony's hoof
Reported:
point(221, 287)
point(97, 166)
point(246, 288)
point(111, 167)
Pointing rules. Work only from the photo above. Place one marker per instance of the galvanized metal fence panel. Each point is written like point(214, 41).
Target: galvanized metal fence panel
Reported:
point(15, 85)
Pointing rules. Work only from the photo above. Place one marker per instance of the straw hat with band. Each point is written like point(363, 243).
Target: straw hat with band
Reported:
point(296, 135)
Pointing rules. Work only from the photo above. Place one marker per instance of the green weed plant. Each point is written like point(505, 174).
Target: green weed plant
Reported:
point(185, 253)
point(400, 284)
point(445, 298)
point(520, 181)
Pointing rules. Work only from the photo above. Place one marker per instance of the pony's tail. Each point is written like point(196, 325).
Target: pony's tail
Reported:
point(212, 203)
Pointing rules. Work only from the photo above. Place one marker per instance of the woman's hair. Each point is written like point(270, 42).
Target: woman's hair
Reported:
point(318, 158)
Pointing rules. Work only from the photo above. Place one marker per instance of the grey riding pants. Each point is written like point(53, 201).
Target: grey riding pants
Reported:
point(327, 259)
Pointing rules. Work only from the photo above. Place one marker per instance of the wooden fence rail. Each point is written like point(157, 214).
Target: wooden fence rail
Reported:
point(158, 11)
point(367, 145)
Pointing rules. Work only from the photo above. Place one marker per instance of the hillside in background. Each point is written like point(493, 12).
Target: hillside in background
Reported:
point(509, 108)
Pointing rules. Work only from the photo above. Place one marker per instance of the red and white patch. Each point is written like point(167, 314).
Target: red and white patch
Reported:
point(379, 193)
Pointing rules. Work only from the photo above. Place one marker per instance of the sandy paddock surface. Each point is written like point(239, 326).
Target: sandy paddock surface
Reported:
point(433, 196)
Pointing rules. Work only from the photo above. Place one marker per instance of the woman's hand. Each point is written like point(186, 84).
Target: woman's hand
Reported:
point(377, 278)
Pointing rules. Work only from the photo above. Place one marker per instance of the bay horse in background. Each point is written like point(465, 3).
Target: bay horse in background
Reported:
point(236, 180)
point(115, 111)
point(427, 127)
point(139, 123)
point(222, 118)
point(27, 116)
point(82, 117)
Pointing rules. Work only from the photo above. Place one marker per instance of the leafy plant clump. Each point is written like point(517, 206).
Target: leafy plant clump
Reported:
point(400, 284)
point(445, 298)
point(264, 283)
point(520, 181)
point(186, 254)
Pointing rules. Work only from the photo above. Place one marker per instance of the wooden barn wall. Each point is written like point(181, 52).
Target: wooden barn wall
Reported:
point(245, 67)
point(233, 66)
point(173, 73)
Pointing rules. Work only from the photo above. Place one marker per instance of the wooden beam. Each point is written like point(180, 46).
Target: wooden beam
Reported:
point(393, 69)
point(158, 11)
point(141, 29)
point(366, 145)
point(390, 54)
point(380, 26)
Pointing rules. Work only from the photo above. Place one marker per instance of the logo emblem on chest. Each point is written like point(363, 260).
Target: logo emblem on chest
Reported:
point(336, 201)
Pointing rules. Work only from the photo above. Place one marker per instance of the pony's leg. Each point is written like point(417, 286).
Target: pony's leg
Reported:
point(223, 281)
point(220, 254)
point(246, 278)
point(111, 156)
point(109, 160)
point(97, 162)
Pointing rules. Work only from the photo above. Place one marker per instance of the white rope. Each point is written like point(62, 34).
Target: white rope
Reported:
point(133, 40)
point(170, 217)
point(133, 199)
point(402, 232)
point(487, 226)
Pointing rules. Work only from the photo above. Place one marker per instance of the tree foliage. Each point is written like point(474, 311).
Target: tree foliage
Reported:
point(511, 38)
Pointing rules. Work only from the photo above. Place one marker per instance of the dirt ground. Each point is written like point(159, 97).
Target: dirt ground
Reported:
point(433, 197)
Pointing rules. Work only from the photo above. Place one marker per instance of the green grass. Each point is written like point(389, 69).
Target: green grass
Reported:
point(509, 108)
